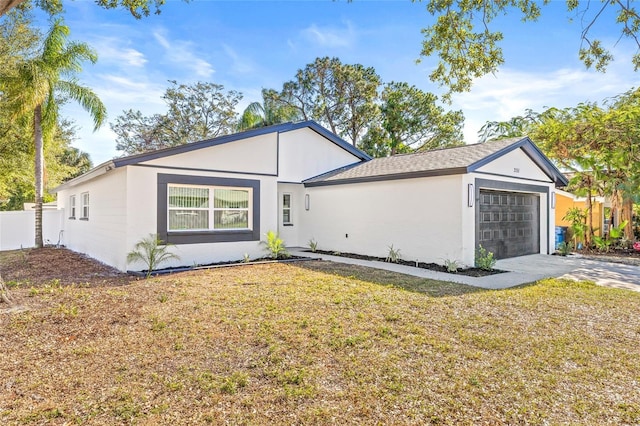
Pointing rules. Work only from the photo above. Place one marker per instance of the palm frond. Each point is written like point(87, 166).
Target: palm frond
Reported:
point(87, 98)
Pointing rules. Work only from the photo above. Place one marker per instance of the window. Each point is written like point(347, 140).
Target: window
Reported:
point(207, 209)
point(84, 205)
point(72, 207)
point(286, 209)
point(202, 208)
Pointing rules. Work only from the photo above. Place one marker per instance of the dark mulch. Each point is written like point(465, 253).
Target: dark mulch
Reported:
point(471, 272)
point(42, 266)
point(174, 269)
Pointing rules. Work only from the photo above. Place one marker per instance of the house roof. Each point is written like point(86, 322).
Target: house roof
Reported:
point(439, 162)
point(180, 149)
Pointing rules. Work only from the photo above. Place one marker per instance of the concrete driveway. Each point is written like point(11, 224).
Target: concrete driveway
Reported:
point(575, 267)
point(520, 270)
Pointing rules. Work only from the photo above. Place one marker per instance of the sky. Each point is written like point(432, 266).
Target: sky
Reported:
point(250, 45)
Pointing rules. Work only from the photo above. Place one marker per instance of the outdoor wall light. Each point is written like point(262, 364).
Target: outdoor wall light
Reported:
point(471, 195)
point(553, 199)
point(306, 201)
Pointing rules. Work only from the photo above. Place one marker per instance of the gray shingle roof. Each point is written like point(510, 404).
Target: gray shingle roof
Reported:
point(456, 160)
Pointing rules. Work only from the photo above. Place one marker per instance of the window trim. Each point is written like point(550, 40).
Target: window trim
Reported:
point(84, 216)
point(290, 209)
point(206, 236)
point(72, 206)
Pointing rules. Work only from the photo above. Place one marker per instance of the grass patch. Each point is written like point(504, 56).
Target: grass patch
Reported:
point(321, 343)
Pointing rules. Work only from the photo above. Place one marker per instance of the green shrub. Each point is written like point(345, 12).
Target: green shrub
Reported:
point(484, 259)
point(313, 245)
point(451, 265)
point(152, 252)
point(564, 248)
point(275, 246)
point(394, 255)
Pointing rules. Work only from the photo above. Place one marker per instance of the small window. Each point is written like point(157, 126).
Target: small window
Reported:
point(72, 207)
point(84, 200)
point(286, 209)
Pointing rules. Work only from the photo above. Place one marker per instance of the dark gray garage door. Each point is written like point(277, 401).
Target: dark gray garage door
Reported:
point(508, 223)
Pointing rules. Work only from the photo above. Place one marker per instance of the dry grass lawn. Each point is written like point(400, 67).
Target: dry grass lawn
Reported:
point(318, 343)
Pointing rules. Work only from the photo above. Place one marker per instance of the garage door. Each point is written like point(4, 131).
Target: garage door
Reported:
point(508, 223)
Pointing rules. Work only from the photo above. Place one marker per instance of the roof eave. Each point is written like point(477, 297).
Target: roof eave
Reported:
point(395, 176)
point(91, 174)
point(534, 153)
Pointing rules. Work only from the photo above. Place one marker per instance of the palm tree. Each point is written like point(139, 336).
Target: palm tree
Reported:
point(266, 113)
point(32, 89)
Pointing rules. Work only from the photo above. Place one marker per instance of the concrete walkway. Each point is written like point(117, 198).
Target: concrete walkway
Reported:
point(521, 270)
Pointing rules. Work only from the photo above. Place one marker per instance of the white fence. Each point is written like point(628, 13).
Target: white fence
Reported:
point(17, 229)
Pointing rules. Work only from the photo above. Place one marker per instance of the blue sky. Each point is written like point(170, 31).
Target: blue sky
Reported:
point(250, 45)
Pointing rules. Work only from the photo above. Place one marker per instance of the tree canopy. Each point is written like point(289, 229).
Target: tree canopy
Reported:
point(137, 8)
point(352, 102)
point(468, 48)
point(195, 112)
point(339, 96)
point(409, 121)
point(31, 90)
point(18, 41)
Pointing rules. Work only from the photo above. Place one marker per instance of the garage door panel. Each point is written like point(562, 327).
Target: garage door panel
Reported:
point(508, 223)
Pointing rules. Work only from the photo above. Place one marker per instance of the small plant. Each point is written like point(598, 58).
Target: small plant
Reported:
point(484, 259)
point(246, 258)
point(602, 244)
point(451, 265)
point(564, 248)
point(313, 245)
point(394, 255)
point(578, 219)
point(275, 246)
point(152, 252)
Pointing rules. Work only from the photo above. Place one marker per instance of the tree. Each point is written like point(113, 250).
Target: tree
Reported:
point(409, 121)
point(516, 126)
point(31, 93)
point(195, 112)
point(267, 113)
point(339, 96)
point(137, 8)
point(468, 49)
point(599, 143)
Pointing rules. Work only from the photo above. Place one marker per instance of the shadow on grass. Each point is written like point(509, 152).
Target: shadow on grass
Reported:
point(432, 288)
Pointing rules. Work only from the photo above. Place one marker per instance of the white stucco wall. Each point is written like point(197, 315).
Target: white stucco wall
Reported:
point(252, 155)
point(142, 214)
point(291, 233)
point(103, 236)
point(421, 217)
point(304, 154)
point(517, 164)
point(17, 228)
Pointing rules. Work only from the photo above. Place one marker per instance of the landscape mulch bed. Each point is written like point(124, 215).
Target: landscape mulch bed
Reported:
point(171, 270)
point(42, 266)
point(471, 272)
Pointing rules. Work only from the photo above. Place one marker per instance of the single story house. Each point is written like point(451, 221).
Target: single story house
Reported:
point(216, 199)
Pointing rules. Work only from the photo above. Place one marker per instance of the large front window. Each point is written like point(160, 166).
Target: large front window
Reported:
point(198, 208)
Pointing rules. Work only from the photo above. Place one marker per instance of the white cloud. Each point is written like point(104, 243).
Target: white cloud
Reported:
point(182, 53)
point(112, 51)
point(239, 64)
point(330, 36)
point(510, 92)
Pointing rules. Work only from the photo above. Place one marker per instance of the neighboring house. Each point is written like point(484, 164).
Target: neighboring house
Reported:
point(600, 210)
point(216, 199)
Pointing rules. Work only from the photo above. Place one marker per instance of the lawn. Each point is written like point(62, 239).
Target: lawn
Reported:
point(317, 343)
